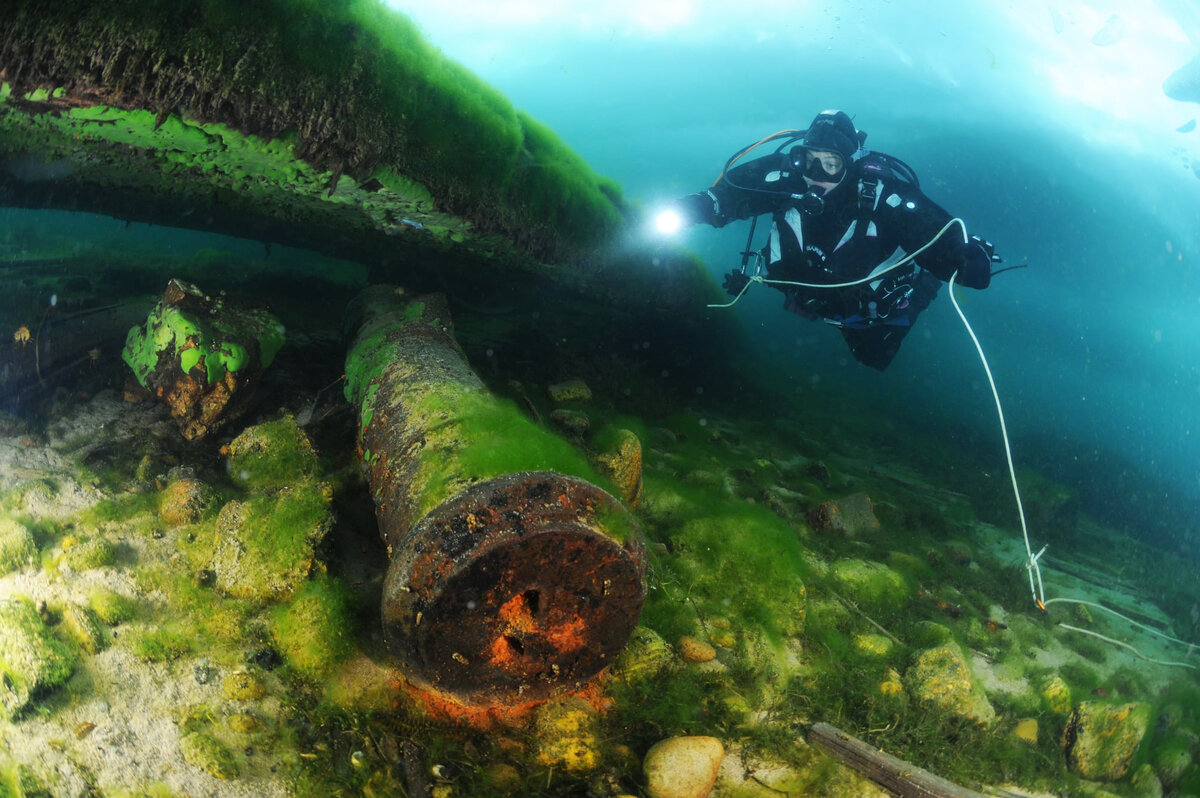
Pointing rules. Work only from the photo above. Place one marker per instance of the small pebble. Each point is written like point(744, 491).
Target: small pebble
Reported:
point(694, 650)
point(203, 672)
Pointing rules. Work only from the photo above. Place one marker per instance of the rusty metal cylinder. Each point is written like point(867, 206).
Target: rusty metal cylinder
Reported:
point(511, 575)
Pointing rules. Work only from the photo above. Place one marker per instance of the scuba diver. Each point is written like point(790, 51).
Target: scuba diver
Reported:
point(851, 227)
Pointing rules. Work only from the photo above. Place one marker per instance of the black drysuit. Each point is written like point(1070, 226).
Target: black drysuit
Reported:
point(871, 220)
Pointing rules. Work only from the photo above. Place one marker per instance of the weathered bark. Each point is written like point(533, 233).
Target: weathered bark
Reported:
point(505, 583)
point(905, 780)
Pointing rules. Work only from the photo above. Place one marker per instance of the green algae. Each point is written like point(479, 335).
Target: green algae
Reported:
point(208, 343)
point(162, 644)
point(315, 630)
point(272, 455)
point(88, 554)
point(205, 752)
point(419, 121)
point(17, 547)
point(493, 437)
point(111, 607)
point(32, 660)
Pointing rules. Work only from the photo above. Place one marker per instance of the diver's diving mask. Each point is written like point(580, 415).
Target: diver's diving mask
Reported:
point(820, 166)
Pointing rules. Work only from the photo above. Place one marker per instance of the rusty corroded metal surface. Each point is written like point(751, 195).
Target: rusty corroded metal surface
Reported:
point(504, 585)
point(513, 589)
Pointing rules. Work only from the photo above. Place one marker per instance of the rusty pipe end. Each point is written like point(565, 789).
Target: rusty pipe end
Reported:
point(515, 589)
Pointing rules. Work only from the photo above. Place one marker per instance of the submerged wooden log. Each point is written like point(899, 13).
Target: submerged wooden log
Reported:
point(511, 577)
point(905, 780)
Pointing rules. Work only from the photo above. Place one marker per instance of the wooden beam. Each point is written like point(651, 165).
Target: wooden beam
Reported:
point(905, 780)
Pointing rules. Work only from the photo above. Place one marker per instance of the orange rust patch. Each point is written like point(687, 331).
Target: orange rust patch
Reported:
point(443, 708)
point(517, 614)
point(568, 636)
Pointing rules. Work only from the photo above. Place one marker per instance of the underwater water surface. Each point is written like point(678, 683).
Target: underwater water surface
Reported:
point(201, 614)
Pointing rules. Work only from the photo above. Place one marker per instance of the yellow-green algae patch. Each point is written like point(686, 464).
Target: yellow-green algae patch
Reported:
point(32, 660)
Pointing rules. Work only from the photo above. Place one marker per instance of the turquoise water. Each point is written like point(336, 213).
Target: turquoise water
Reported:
point(1043, 125)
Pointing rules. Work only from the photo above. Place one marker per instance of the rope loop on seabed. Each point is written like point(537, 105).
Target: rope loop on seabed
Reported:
point(1032, 566)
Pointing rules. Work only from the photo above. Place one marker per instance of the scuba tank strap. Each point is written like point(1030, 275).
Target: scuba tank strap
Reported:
point(870, 189)
point(870, 172)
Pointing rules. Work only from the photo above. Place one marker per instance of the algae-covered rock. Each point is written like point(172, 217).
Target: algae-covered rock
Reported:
point(243, 686)
point(623, 464)
point(941, 680)
point(871, 584)
point(930, 634)
point(111, 607)
point(1056, 696)
point(202, 751)
point(746, 775)
point(1101, 739)
point(31, 659)
point(83, 627)
point(873, 646)
point(645, 656)
point(694, 650)
point(183, 501)
point(566, 735)
point(314, 631)
point(1145, 783)
point(265, 546)
point(1171, 760)
point(87, 554)
point(849, 517)
point(1026, 731)
point(683, 767)
point(891, 684)
point(573, 422)
point(273, 454)
point(17, 547)
point(202, 356)
point(570, 391)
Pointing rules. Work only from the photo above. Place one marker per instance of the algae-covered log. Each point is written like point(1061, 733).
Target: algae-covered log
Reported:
point(284, 120)
point(511, 575)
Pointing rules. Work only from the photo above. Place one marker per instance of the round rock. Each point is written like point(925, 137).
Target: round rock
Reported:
point(683, 767)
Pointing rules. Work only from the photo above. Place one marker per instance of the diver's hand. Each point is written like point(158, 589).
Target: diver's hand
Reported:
point(975, 259)
point(735, 283)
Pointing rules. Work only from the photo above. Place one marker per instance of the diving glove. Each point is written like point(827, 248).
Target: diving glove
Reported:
point(735, 283)
point(975, 259)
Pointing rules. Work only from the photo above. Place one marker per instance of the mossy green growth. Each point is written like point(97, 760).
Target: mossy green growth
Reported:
point(272, 454)
point(263, 548)
point(743, 563)
point(82, 626)
point(873, 585)
point(31, 659)
point(315, 630)
point(205, 752)
point(383, 99)
point(111, 607)
point(17, 780)
point(217, 345)
point(88, 554)
point(161, 644)
point(166, 330)
point(17, 547)
point(487, 437)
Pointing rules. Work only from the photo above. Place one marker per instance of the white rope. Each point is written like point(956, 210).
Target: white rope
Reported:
point(1036, 587)
point(1124, 645)
point(870, 278)
point(1111, 611)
